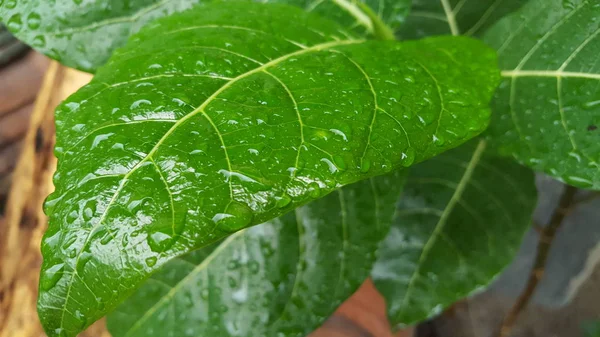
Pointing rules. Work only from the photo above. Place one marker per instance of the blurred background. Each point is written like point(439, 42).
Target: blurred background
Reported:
point(564, 304)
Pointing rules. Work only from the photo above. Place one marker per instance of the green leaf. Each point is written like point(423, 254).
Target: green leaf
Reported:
point(456, 17)
point(215, 120)
point(282, 278)
point(83, 35)
point(547, 110)
point(459, 222)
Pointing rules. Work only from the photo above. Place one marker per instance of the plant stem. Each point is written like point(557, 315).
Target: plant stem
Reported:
point(380, 29)
point(546, 236)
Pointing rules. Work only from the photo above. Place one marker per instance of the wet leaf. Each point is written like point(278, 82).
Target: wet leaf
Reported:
point(282, 278)
point(548, 107)
point(83, 34)
point(214, 120)
point(457, 17)
point(460, 220)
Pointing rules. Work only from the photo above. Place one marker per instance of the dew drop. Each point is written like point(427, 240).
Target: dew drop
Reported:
point(365, 165)
point(10, 4)
point(438, 140)
point(314, 190)
point(160, 241)
point(84, 258)
point(151, 261)
point(204, 293)
point(106, 239)
point(34, 20)
point(51, 276)
point(15, 23)
point(236, 216)
point(283, 201)
point(39, 41)
point(578, 181)
point(340, 162)
point(408, 157)
point(254, 267)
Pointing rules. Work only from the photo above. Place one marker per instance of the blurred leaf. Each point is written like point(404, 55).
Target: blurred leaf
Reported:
point(459, 223)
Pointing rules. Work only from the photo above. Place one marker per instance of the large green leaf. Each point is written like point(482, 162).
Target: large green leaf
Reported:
point(282, 278)
point(221, 118)
point(460, 220)
point(83, 34)
point(547, 111)
point(457, 17)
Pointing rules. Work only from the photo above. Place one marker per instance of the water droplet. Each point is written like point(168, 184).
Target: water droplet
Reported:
point(106, 239)
point(15, 23)
point(254, 267)
point(568, 4)
point(160, 241)
point(34, 20)
point(204, 293)
point(151, 261)
point(10, 4)
point(314, 190)
point(408, 157)
point(39, 41)
point(236, 216)
point(84, 258)
point(283, 201)
point(51, 276)
point(438, 140)
point(365, 165)
point(340, 163)
point(233, 265)
point(578, 181)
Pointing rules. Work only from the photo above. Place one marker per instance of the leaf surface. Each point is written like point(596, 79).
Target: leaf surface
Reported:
point(456, 17)
point(215, 120)
point(281, 278)
point(547, 110)
point(84, 34)
point(459, 223)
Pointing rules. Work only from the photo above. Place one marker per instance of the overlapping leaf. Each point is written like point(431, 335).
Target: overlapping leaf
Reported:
point(282, 278)
point(459, 222)
point(457, 17)
point(83, 34)
point(547, 110)
point(221, 118)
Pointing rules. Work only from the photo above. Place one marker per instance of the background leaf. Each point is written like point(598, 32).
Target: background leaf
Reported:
point(221, 118)
point(460, 221)
point(83, 34)
point(547, 110)
point(282, 278)
point(457, 17)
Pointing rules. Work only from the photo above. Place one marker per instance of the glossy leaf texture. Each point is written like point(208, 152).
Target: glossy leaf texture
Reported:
point(283, 278)
point(84, 34)
point(221, 118)
point(460, 220)
point(456, 17)
point(547, 110)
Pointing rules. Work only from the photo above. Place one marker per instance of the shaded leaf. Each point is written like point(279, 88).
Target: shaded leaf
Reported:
point(83, 35)
point(460, 221)
point(282, 278)
point(457, 17)
point(547, 110)
point(215, 120)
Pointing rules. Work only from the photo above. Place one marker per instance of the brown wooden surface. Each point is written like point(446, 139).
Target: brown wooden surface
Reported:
point(26, 167)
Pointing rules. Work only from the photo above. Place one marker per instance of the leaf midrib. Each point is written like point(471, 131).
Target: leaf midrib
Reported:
point(475, 159)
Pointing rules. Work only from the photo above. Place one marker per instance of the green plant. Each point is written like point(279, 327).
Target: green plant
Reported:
point(228, 114)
